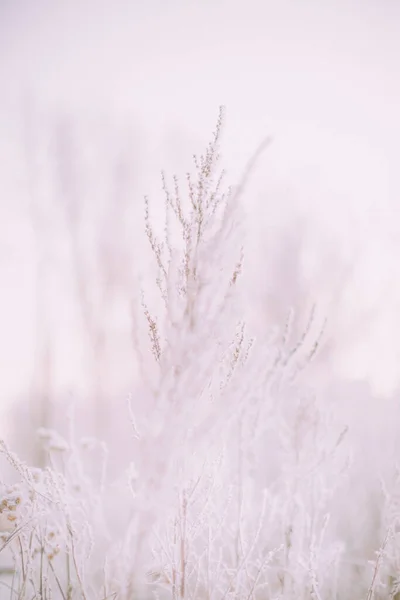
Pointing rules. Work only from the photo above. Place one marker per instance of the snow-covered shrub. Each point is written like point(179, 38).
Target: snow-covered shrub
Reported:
point(52, 522)
point(235, 468)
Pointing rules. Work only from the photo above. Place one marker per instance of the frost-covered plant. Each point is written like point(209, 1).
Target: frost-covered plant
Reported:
point(51, 521)
point(218, 396)
point(235, 464)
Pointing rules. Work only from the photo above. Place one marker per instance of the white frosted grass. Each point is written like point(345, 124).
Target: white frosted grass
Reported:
point(238, 477)
point(281, 482)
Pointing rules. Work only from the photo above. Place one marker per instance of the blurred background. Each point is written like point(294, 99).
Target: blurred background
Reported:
point(96, 97)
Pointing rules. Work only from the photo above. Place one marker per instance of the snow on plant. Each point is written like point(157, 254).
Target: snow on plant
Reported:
point(218, 393)
point(50, 521)
point(235, 464)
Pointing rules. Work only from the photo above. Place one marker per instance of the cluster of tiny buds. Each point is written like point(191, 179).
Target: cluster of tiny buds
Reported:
point(4, 537)
point(36, 474)
point(52, 543)
point(9, 503)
